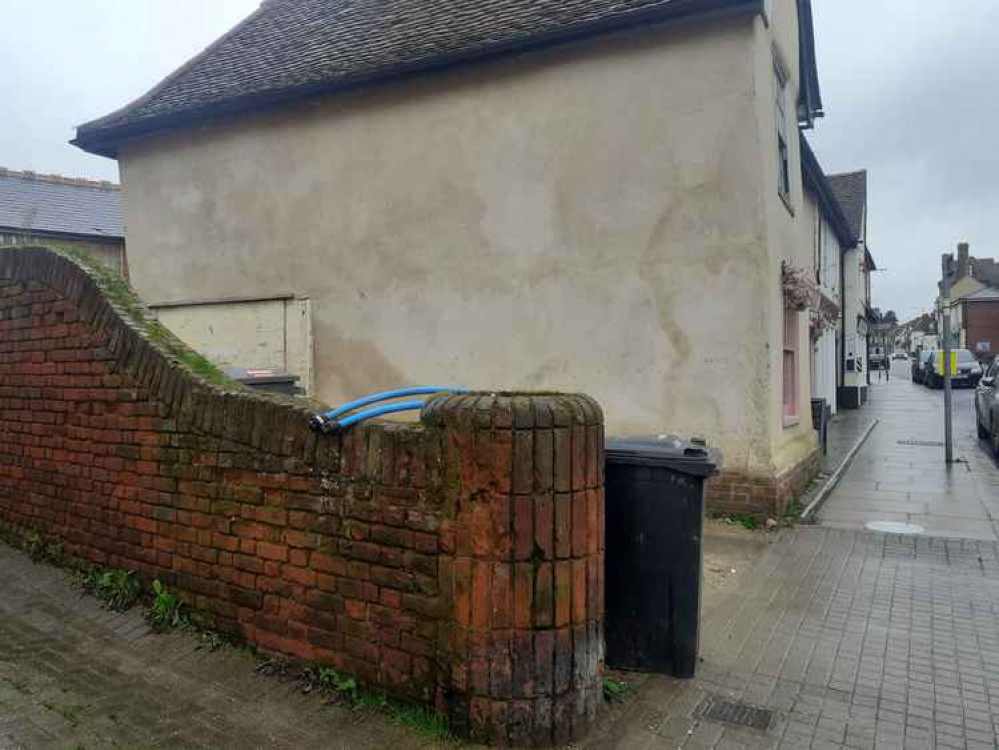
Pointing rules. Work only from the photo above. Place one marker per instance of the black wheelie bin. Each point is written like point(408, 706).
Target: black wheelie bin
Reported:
point(654, 488)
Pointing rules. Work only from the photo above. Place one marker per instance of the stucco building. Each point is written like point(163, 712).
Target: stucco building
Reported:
point(974, 303)
point(66, 212)
point(857, 314)
point(594, 195)
point(832, 239)
point(969, 274)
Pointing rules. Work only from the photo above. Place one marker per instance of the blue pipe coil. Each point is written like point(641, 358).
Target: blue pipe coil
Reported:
point(330, 422)
point(331, 427)
point(419, 390)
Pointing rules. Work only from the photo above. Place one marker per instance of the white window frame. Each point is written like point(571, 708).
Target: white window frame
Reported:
point(790, 389)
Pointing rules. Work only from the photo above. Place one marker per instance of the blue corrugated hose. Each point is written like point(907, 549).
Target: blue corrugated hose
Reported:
point(330, 422)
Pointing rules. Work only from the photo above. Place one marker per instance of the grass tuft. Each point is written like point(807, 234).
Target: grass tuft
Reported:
point(119, 589)
point(615, 691)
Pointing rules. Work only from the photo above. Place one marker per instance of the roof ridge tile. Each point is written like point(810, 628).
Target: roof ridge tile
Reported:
point(58, 179)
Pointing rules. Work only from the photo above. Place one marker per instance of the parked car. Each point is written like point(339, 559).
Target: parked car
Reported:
point(969, 370)
point(900, 355)
point(919, 364)
point(987, 406)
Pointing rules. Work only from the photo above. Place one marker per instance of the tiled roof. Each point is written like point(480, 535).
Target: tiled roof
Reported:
point(983, 295)
point(50, 203)
point(293, 48)
point(850, 190)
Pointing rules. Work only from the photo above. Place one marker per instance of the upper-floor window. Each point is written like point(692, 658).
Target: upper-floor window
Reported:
point(783, 152)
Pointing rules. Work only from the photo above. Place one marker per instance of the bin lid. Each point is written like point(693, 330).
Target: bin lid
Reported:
point(687, 456)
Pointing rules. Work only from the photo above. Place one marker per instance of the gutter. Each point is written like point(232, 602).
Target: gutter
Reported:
point(105, 141)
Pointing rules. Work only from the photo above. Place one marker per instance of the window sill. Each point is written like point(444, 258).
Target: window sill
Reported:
point(791, 421)
point(786, 200)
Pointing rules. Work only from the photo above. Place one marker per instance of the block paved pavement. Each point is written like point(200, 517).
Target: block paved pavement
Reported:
point(900, 474)
point(76, 676)
point(854, 639)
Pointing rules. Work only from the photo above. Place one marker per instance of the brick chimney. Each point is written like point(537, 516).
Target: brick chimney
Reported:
point(963, 260)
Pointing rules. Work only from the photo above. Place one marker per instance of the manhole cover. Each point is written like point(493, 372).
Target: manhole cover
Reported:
point(922, 443)
point(894, 527)
point(739, 714)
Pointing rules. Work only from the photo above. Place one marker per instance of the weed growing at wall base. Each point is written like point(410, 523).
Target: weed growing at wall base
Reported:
point(167, 611)
point(615, 691)
point(118, 588)
point(350, 692)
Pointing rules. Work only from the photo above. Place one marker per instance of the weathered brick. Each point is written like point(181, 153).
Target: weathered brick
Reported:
point(463, 591)
point(451, 552)
point(579, 531)
point(523, 528)
point(270, 551)
point(544, 595)
point(502, 595)
point(563, 593)
point(563, 526)
point(523, 594)
point(579, 591)
point(481, 593)
point(562, 462)
point(523, 462)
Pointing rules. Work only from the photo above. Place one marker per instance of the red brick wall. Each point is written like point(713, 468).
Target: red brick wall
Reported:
point(525, 641)
point(457, 561)
point(982, 324)
point(736, 492)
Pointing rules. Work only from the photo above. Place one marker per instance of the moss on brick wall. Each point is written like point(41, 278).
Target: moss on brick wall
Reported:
point(458, 561)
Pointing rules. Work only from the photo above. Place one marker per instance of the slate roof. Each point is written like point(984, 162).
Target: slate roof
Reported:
point(290, 49)
point(986, 294)
point(63, 205)
point(850, 190)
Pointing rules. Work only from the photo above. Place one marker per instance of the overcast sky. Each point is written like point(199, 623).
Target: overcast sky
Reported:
point(911, 90)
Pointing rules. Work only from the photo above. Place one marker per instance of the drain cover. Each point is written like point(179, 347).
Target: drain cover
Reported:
point(894, 527)
point(922, 443)
point(739, 714)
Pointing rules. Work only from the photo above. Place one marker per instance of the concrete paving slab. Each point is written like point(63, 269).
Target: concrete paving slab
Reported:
point(71, 677)
point(862, 515)
point(900, 471)
point(852, 639)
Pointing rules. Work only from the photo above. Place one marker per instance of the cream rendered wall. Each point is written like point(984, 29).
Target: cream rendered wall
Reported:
point(826, 254)
point(587, 218)
point(259, 333)
point(110, 254)
point(831, 283)
point(789, 233)
point(855, 342)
